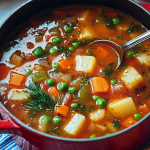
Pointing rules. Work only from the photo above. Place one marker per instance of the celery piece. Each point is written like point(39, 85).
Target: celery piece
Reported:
point(39, 76)
point(84, 93)
point(49, 46)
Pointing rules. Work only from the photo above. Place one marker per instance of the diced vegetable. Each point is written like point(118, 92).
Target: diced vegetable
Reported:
point(144, 59)
point(143, 108)
point(54, 92)
point(67, 99)
point(16, 79)
point(39, 76)
point(75, 125)
point(110, 126)
point(99, 85)
point(18, 95)
point(100, 128)
point(83, 17)
point(43, 62)
point(129, 121)
point(97, 115)
point(122, 108)
point(67, 78)
point(62, 110)
point(54, 32)
point(131, 77)
point(100, 52)
point(84, 94)
point(86, 33)
point(16, 60)
point(66, 63)
point(85, 63)
point(56, 76)
point(38, 67)
point(47, 37)
point(49, 46)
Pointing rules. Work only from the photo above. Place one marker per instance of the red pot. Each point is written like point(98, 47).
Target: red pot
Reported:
point(131, 138)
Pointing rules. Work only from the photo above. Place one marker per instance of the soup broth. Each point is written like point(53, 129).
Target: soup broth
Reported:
point(55, 82)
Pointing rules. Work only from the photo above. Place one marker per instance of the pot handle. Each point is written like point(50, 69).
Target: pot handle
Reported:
point(8, 123)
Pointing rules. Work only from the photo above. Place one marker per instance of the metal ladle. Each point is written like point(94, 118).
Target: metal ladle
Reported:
point(120, 50)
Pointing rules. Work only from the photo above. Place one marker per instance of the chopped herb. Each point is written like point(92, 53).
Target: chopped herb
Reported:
point(64, 49)
point(64, 70)
point(133, 27)
point(120, 37)
point(91, 53)
point(115, 123)
point(53, 72)
point(107, 71)
point(84, 80)
point(55, 131)
point(101, 12)
point(123, 67)
point(111, 64)
point(138, 91)
point(143, 72)
point(144, 50)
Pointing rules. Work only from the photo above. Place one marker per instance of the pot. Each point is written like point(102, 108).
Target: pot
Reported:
point(131, 138)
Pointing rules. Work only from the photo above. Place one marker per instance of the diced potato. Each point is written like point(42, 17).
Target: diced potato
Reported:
point(18, 95)
point(131, 77)
point(122, 108)
point(16, 60)
point(83, 17)
point(86, 33)
point(85, 63)
point(75, 125)
point(97, 115)
point(101, 128)
point(144, 59)
point(110, 126)
point(38, 67)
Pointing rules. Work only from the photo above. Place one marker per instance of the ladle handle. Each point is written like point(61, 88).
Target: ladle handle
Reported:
point(136, 41)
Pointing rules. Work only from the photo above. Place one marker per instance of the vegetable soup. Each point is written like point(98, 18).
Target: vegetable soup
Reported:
point(55, 82)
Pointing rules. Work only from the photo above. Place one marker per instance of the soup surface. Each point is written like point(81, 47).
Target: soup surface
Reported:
point(55, 82)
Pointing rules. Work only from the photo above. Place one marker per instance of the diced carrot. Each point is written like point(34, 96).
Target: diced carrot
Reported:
point(30, 56)
point(67, 63)
point(67, 99)
point(111, 15)
point(5, 69)
point(63, 110)
point(143, 109)
point(47, 37)
point(99, 85)
point(16, 79)
point(128, 122)
point(53, 91)
point(100, 52)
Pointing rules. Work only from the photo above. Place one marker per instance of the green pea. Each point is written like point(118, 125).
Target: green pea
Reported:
point(71, 48)
point(63, 86)
point(28, 71)
point(137, 116)
point(68, 29)
point(116, 20)
point(56, 64)
point(101, 102)
point(93, 136)
point(50, 82)
point(140, 45)
point(113, 81)
point(95, 97)
point(53, 50)
point(56, 40)
point(38, 52)
point(72, 89)
point(74, 105)
point(75, 44)
point(107, 134)
point(130, 54)
point(46, 119)
point(56, 120)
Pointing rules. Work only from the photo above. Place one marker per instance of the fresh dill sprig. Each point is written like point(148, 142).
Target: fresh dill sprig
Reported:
point(39, 99)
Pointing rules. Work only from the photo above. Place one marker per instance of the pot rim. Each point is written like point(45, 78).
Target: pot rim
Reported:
point(72, 139)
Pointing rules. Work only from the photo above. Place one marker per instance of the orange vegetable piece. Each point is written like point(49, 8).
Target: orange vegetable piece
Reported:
point(143, 109)
point(128, 122)
point(67, 99)
point(100, 52)
point(53, 91)
point(66, 63)
point(63, 110)
point(16, 79)
point(99, 85)
point(47, 37)
point(5, 69)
